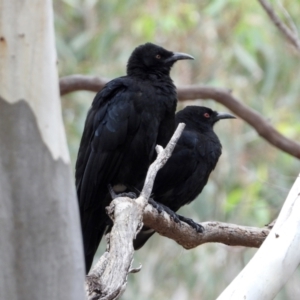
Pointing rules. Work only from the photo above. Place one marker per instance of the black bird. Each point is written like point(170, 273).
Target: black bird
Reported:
point(128, 117)
point(186, 172)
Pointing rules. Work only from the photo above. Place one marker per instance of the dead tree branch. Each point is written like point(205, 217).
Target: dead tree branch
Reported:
point(108, 278)
point(290, 35)
point(73, 83)
point(214, 232)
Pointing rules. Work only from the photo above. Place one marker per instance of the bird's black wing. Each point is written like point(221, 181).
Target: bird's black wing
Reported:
point(172, 176)
point(184, 176)
point(186, 172)
point(110, 124)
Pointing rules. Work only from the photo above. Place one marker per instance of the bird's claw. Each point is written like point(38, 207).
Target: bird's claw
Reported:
point(198, 227)
point(156, 205)
point(176, 218)
point(160, 208)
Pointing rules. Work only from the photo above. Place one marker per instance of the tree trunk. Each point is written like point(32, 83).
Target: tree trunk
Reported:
point(40, 242)
point(275, 261)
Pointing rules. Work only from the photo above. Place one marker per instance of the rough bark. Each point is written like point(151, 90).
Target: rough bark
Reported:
point(214, 232)
point(108, 279)
point(40, 242)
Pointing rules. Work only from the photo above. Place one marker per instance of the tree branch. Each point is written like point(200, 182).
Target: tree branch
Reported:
point(253, 118)
point(77, 82)
point(108, 279)
point(290, 35)
point(73, 83)
point(214, 232)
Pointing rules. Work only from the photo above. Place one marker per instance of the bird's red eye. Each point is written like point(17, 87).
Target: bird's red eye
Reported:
point(158, 56)
point(206, 115)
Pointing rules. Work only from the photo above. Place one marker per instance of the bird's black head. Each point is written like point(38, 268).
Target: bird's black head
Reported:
point(153, 59)
point(200, 117)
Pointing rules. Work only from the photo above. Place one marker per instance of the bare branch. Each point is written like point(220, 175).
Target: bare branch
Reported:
point(108, 279)
point(73, 83)
point(214, 232)
point(259, 123)
point(253, 118)
point(288, 18)
point(289, 34)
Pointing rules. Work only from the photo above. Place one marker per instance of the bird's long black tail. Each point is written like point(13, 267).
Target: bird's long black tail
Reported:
point(142, 237)
point(93, 227)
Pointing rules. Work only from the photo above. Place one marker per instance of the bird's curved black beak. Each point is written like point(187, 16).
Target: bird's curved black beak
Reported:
point(178, 56)
point(222, 115)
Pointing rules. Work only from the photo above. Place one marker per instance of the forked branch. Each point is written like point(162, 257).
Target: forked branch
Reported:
point(108, 278)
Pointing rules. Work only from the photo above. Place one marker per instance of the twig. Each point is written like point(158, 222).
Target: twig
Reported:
point(73, 83)
point(288, 18)
point(291, 36)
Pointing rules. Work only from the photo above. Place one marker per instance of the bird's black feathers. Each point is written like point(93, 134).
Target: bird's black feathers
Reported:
point(187, 171)
point(128, 117)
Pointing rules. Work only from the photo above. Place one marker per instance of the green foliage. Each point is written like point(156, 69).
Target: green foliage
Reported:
point(235, 46)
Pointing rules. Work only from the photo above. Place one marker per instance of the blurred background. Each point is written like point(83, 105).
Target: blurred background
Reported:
point(235, 46)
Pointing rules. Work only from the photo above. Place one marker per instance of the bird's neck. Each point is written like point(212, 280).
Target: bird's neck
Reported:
point(194, 125)
point(149, 74)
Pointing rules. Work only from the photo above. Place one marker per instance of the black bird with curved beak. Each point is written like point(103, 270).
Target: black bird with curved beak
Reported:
point(128, 118)
point(187, 171)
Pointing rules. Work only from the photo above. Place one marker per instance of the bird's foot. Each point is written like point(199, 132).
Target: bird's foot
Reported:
point(160, 208)
point(156, 205)
point(177, 218)
point(199, 228)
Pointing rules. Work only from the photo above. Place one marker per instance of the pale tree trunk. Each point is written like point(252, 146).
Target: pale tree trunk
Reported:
point(277, 258)
point(40, 242)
